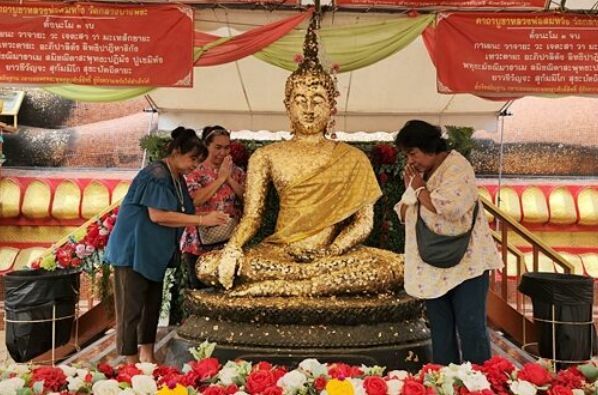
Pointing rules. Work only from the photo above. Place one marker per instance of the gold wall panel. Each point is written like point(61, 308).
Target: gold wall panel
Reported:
point(545, 264)
point(587, 204)
point(26, 256)
point(36, 203)
point(485, 193)
point(10, 198)
point(562, 207)
point(573, 259)
point(120, 191)
point(509, 202)
point(535, 208)
point(96, 197)
point(33, 234)
point(7, 257)
point(580, 239)
point(67, 198)
point(590, 263)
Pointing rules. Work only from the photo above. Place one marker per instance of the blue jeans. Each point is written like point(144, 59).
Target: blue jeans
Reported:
point(459, 318)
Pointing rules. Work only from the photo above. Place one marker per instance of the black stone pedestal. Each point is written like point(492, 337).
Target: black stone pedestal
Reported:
point(408, 357)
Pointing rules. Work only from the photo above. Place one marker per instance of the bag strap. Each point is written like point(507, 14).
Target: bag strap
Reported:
point(473, 217)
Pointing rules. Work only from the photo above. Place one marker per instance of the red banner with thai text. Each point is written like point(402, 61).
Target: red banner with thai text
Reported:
point(96, 44)
point(444, 4)
point(513, 54)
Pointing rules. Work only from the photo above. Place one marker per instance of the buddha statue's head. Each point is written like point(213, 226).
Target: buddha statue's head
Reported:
point(310, 91)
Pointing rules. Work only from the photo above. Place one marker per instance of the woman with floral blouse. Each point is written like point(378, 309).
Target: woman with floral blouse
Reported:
point(215, 185)
point(442, 184)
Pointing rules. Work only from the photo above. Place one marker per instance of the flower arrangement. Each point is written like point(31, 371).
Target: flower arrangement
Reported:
point(84, 248)
point(207, 376)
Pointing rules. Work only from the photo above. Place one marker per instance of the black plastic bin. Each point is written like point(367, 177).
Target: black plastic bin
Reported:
point(31, 297)
point(572, 297)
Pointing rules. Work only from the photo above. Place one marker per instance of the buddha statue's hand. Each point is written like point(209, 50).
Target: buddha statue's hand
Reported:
point(227, 267)
point(310, 254)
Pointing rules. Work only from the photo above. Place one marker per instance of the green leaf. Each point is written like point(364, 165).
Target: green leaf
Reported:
point(590, 372)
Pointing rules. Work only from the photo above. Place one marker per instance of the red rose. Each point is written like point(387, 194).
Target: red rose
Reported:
point(214, 390)
point(430, 367)
point(231, 389)
point(375, 385)
point(106, 369)
point(560, 390)
point(126, 372)
point(273, 390)
point(54, 379)
point(263, 366)
point(239, 154)
point(206, 368)
point(535, 374)
point(162, 371)
point(412, 387)
point(385, 154)
point(339, 371)
point(64, 254)
point(258, 381)
point(570, 378)
point(320, 383)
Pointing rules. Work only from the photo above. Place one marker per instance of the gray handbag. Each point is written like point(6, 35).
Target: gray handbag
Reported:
point(439, 250)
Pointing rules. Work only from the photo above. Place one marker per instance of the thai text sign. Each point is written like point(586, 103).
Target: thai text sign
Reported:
point(521, 4)
point(96, 44)
point(512, 54)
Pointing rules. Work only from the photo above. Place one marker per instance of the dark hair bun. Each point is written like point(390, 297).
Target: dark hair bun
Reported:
point(178, 132)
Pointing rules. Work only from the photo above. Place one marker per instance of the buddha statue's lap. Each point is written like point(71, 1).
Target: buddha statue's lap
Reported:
point(327, 191)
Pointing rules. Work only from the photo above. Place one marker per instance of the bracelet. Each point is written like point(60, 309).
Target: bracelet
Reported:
point(418, 191)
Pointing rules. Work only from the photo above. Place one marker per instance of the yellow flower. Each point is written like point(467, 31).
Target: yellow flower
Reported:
point(178, 390)
point(339, 387)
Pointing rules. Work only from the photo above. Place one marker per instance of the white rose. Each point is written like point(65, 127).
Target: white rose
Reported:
point(68, 370)
point(522, 387)
point(394, 386)
point(82, 373)
point(10, 386)
point(314, 367)
point(475, 381)
point(357, 386)
point(143, 384)
point(75, 383)
point(227, 375)
point(240, 393)
point(105, 387)
point(577, 391)
point(398, 374)
point(292, 380)
point(127, 391)
point(146, 367)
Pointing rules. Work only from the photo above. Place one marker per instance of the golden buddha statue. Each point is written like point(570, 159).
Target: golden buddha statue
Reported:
point(327, 190)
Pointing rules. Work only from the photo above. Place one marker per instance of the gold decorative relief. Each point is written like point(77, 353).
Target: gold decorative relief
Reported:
point(562, 207)
point(26, 256)
point(574, 260)
point(590, 263)
point(587, 204)
point(7, 257)
point(36, 203)
point(67, 199)
point(486, 194)
point(509, 202)
point(120, 190)
point(96, 197)
point(10, 198)
point(535, 208)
